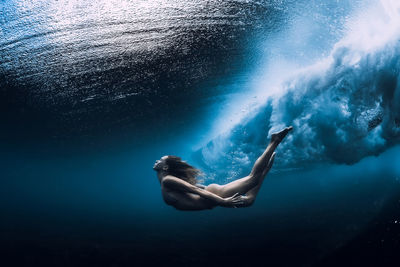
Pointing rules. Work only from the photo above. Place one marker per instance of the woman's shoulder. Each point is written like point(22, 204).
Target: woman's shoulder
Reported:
point(170, 176)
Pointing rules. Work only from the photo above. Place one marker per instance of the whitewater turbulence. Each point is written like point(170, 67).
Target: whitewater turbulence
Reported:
point(343, 108)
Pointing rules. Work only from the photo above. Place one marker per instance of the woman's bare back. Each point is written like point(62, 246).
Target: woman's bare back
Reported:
point(185, 200)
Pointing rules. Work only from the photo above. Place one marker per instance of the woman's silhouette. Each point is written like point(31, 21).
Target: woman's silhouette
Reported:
point(180, 190)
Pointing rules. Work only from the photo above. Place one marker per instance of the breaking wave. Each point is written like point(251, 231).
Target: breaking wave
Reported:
point(343, 108)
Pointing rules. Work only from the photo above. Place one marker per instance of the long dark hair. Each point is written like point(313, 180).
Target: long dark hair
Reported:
point(182, 170)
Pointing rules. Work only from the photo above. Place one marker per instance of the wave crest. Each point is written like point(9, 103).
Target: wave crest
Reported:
point(343, 109)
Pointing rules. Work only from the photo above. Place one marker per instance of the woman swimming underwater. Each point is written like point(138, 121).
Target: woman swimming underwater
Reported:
point(180, 190)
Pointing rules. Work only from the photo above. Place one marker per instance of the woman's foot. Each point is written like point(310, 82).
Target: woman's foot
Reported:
point(278, 137)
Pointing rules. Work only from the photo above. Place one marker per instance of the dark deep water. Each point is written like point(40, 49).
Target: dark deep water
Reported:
point(92, 94)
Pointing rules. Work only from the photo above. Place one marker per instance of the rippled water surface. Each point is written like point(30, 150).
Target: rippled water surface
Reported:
point(124, 61)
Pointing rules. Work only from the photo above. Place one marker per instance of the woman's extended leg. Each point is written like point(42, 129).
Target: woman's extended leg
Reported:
point(255, 178)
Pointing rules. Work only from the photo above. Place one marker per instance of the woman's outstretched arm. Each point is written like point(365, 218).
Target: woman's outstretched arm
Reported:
point(177, 184)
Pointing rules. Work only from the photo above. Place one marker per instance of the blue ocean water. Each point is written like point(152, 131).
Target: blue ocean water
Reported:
point(92, 94)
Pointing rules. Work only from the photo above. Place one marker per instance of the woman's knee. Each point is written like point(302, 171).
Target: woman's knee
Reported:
point(249, 201)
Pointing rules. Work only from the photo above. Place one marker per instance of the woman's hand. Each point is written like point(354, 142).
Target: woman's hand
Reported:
point(233, 201)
